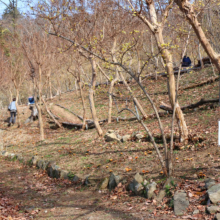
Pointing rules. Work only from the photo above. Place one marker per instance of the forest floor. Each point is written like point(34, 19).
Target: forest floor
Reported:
point(84, 153)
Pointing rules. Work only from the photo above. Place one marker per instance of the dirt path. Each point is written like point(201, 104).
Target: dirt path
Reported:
point(30, 194)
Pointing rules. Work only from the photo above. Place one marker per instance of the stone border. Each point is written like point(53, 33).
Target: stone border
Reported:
point(138, 184)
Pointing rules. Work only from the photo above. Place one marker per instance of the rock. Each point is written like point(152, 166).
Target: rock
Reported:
point(45, 164)
point(209, 183)
point(53, 170)
point(33, 161)
point(217, 216)
point(181, 202)
point(5, 153)
point(112, 183)
point(136, 185)
point(212, 209)
point(161, 195)
point(195, 212)
point(139, 136)
point(150, 188)
point(104, 183)
point(64, 174)
point(111, 137)
point(92, 181)
point(138, 178)
point(39, 164)
point(119, 136)
point(214, 193)
point(75, 178)
point(125, 138)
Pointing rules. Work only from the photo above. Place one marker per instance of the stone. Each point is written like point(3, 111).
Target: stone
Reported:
point(150, 188)
point(75, 178)
point(72, 177)
point(104, 183)
point(111, 137)
point(214, 193)
point(112, 183)
point(217, 216)
point(139, 136)
point(125, 138)
point(92, 181)
point(209, 183)
point(161, 195)
point(33, 161)
point(212, 209)
point(119, 136)
point(195, 212)
point(64, 174)
point(138, 178)
point(53, 170)
point(136, 185)
point(56, 172)
point(45, 164)
point(181, 202)
point(5, 153)
point(39, 164)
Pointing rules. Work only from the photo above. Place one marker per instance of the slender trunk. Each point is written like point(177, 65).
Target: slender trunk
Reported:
point(83, 104)
point(49, 89)
point(171, 84)
point(39, 104)
point(110, 97)
point(188, 10)
point(76, 87)
point(91, 96)
point(200, 56)
point(155, 58)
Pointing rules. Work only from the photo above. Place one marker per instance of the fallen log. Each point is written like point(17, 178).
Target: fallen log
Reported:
point(197, 104)
point(114, 119)
point(210, 80)
point(51, 115)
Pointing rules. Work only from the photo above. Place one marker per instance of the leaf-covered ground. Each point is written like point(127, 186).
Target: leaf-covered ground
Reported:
point(83, 152)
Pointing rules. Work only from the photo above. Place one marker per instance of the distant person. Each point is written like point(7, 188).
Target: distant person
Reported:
point(13, 111)
point(31, 100)
point(186, 61)
point(34, 112)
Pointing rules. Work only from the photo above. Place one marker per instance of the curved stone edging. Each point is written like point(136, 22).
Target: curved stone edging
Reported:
point(138, 184)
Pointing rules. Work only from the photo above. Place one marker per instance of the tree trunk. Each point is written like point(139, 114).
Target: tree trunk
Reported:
point(110, 97)
point(167, 57)
point(200, 56)
point(49, 88)
point(83, 104)
point(91, 96)
point(188, 10)
point(39, 104)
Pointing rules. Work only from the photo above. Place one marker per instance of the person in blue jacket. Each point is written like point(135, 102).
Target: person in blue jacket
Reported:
point(186, 61)
point(13, 112)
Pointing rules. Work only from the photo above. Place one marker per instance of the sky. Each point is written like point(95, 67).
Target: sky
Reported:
point(22, 6)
